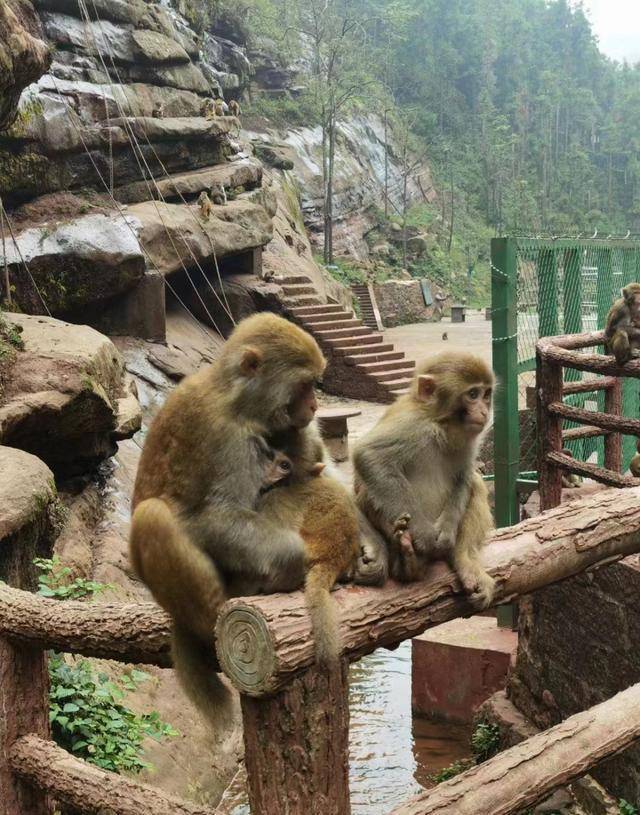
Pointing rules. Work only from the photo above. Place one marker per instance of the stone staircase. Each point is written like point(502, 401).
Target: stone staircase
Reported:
point(361, 365)
point(367, 308)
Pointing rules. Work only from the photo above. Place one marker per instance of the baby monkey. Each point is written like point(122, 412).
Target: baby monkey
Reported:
point(622, 332)
point(205, 205)
point(158, 111)
point(328, 525)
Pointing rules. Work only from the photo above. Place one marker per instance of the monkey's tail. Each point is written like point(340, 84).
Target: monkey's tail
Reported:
point(195, 664)
point(186, 583)
point(322, 610)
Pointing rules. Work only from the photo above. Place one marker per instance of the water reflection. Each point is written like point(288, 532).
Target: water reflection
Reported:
point(391, 756)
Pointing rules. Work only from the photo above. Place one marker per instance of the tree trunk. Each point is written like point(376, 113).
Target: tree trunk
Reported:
point(518, 778)
point(263, 641)
point(297, 746)
point(86, 788)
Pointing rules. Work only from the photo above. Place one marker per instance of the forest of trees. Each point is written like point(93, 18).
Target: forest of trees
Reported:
point(518, 111)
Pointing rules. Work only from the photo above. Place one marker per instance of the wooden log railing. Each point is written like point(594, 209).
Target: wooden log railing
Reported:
point(295, 716)
point(553, 354)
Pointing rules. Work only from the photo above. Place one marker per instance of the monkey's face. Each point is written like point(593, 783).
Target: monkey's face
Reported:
point(475, 407)
point(631, 294)
point(303, 405)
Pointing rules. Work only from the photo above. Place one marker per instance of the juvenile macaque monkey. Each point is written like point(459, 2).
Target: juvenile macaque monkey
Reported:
point(234, 108)
point(204, 203)
point(328, 523)
point(196, 536)
point(207, 109)
point(218, 194)
point(218, 107)
point(416, 477)
point(158, 111)
point(622, 331)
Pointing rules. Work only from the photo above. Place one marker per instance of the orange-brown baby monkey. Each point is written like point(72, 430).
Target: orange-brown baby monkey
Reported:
point(328, 525)
point(622, 331)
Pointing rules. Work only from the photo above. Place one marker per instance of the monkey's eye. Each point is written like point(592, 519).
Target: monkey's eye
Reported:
point(317, 383)
point(473, 393)
point(286, 466)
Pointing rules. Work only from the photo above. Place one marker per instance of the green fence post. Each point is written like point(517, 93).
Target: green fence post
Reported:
point(630, 387)
point(506, 428)
point(604, 291)
point(547, 270)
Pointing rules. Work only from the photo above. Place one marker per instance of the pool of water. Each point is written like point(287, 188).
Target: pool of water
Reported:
point(392, 754)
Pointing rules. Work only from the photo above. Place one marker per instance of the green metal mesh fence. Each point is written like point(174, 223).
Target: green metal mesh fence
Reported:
point(540, 288)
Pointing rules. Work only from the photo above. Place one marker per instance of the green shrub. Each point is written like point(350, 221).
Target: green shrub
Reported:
point(625, 808)
point(451, 771)
point(485, 741)
point(88, 717)
point(56, 581)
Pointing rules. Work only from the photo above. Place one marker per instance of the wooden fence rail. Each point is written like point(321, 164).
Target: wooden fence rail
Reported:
point(295, 716)
point(553, 354)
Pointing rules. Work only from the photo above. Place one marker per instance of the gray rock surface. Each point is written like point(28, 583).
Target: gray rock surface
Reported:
point(88, 260)
point(61, 401)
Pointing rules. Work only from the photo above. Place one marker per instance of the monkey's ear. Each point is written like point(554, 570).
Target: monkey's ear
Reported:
point(251, 360)
point(426, 387)
point(318, 468)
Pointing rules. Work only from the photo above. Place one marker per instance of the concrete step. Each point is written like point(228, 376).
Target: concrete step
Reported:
point(397, 393)
point(296, 289)
point(304, 311)
point(340, 322)
point(319, 319)
point(389, 355)
point(361, 345)
point(306, 300)
point(407, 365)
point(394, 375)
point(401, 383)
point(344, 333)
point(295, 279)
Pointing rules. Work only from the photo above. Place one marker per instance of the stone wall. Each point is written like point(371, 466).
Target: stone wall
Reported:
point(401, 302)
point(579, 645)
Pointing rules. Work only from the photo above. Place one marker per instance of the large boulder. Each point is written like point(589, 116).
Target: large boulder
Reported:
point(88, 260)
point(23, 55)
point(63, 398)
point(29, 514)
point(175, 233)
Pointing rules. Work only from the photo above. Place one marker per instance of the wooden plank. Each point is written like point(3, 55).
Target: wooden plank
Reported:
point(518, 778)
point(549, 431)
point(588, 385)
point(583, 433)
point(263, 641)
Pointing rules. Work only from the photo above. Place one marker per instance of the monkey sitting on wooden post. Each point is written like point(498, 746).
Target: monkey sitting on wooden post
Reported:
point(416, 477)
point(622, 331)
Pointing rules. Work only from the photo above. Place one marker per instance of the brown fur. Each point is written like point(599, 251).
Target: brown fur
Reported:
point(204, 204)
point(622, 331)
point(415, 472)
point(218, 107)
point(234, 108)
point(195, 535)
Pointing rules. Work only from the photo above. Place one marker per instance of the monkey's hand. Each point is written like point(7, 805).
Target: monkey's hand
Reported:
point(372, 567)
point(402, 535)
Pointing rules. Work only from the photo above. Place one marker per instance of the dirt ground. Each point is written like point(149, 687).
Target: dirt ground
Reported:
point(418, 341)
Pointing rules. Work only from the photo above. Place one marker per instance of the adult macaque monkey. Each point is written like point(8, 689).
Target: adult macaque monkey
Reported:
point(196, 536)
point(416, 477)
point(622, 331)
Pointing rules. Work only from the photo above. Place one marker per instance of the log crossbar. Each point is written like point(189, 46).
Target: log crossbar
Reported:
point(553, 355)
point(295, 716)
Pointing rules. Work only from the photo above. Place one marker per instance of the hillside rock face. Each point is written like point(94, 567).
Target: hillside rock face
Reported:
point(23, 55)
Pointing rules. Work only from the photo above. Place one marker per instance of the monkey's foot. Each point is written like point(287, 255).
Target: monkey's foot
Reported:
point(480, 587)
point(371, 567)
point(402, 535)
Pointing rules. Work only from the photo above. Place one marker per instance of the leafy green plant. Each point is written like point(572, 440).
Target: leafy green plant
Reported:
point(485, 741)
point(88, 716)
point(625, 808)
point(56, 581)
point(452, 770)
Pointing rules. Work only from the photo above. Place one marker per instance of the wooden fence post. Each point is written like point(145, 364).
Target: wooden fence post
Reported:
point(297, 746)
point(549, 389)
point(613, 441)
point(24, 699)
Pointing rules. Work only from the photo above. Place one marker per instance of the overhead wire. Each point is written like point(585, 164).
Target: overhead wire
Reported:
point(133, 139)
point(5, 215)
point(118, 208)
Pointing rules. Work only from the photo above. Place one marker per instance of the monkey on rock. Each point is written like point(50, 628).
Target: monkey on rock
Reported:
point(416, 478)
